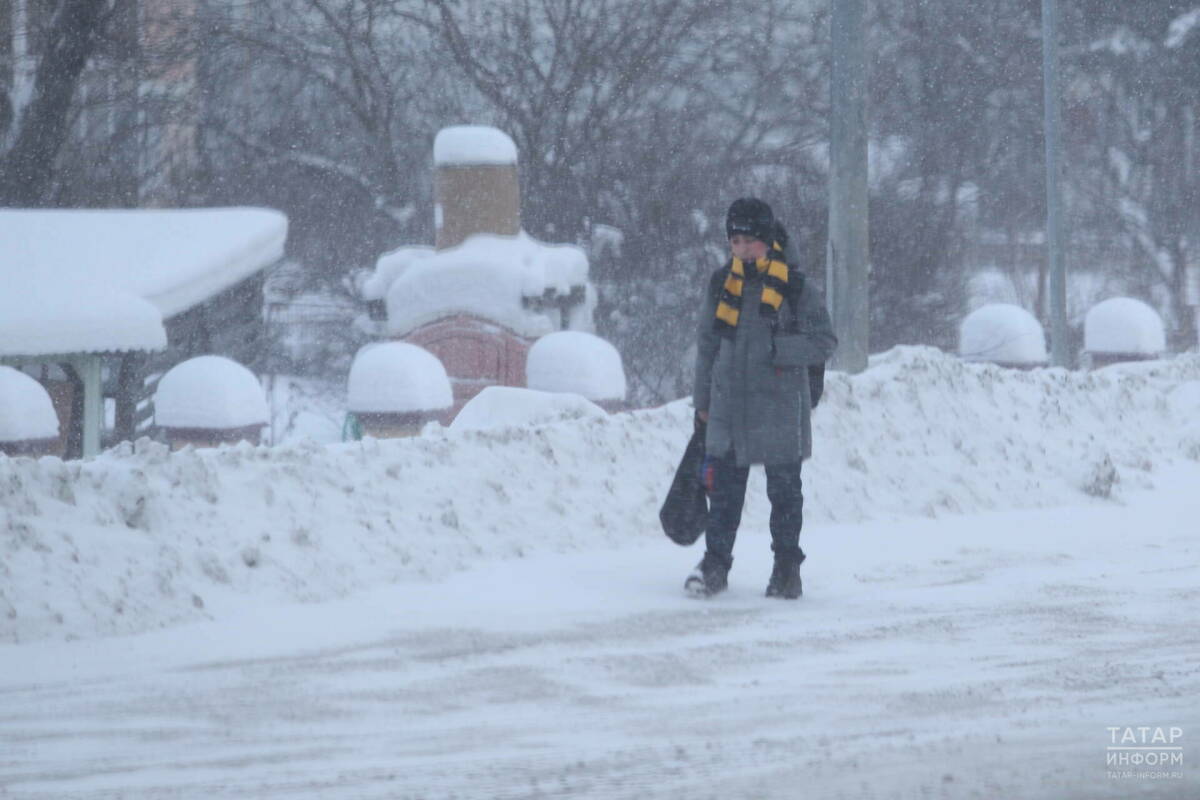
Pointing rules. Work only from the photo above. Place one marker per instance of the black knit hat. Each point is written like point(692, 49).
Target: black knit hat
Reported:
point(751, 217)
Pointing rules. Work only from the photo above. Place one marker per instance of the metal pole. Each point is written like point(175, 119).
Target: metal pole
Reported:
point(1054, 223)
point(93, 404)
point(847, 254)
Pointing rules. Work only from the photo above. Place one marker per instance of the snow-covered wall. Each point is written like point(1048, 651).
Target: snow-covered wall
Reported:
point(487, 276)
point(142, 537)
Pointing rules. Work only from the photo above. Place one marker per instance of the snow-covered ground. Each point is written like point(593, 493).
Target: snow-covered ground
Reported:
point(1003, 566)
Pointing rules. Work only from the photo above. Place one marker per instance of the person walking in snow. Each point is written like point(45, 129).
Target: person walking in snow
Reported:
point(763, 330)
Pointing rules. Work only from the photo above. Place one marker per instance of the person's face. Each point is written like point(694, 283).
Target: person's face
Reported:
point(747, 248)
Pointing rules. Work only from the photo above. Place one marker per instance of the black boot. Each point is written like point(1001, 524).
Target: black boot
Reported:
point(785, 577)
point(710, 576)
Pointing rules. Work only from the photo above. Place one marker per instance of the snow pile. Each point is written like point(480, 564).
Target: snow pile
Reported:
point(576, 362)
point(397, 378)
point(1004, 334)
point(142, 537)
point(26, 413)
point(391, 266)
point(210, 392)
point(471, 145)
point(1124, 325)
point(510, 407)
point(503, 279)
point(41, 315)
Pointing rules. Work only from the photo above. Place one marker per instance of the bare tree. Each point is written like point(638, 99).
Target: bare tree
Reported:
point(36, 125)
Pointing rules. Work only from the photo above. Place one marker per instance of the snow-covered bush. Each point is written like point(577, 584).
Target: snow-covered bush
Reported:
point(576, 362)
point(1003, 334)
point(1124, 326)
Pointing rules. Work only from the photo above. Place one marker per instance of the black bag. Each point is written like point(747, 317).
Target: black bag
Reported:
point(684, 514)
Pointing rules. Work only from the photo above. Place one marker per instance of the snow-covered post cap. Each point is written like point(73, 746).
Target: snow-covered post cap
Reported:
point(1123, 329)
point(476, 187)
point(1002, 333)
point(579, 363)
point(28, 424)
point(471, 145)
point(396, 387)
point(210, 400)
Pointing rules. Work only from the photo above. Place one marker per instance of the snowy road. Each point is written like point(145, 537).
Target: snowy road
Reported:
point(971, 656)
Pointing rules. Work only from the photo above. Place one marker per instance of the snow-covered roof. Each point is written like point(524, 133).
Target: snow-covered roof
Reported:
point(397, 378)
point(209, 392)
point(166, 260)
point(469, 145)
point(1123, 325)
point(576, 362)
point(510, 407)
point(26, 412)
point(489, 276)
point(42, 317)
point(1002, 333)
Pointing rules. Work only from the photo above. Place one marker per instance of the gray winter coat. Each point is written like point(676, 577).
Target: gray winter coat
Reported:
point(755, 385)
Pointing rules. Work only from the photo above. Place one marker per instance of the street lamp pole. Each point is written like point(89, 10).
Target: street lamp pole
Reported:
point(847, 254)
point(1059, 355)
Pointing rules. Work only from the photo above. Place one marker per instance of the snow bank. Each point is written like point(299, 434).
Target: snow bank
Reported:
point(141, 537)
point(576, 362)
point(1002, 333)
point(26, 412)
point(510, 407)
point(498, 278)
point(470, 145)
point(1124, 325)
point(209, 392)
point(397, 378)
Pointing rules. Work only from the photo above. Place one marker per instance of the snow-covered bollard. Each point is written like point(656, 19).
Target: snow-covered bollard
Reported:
point(1003, 334)
point(28, 423)
point(210, 400)
point(1122, 329)
point(397, 387)
point(579, 363)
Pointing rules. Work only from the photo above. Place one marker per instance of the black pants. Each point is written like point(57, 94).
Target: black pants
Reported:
point(726, 483)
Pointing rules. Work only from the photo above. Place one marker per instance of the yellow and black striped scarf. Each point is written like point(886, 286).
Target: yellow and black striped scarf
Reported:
point(775, 281)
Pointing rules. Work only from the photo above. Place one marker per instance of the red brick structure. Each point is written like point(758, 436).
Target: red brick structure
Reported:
point(476, 354)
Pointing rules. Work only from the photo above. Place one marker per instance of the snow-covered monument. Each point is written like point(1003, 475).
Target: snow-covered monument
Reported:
point(487, 291)
point(1122, 329)
point(94, 299)
point(1003, 334)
